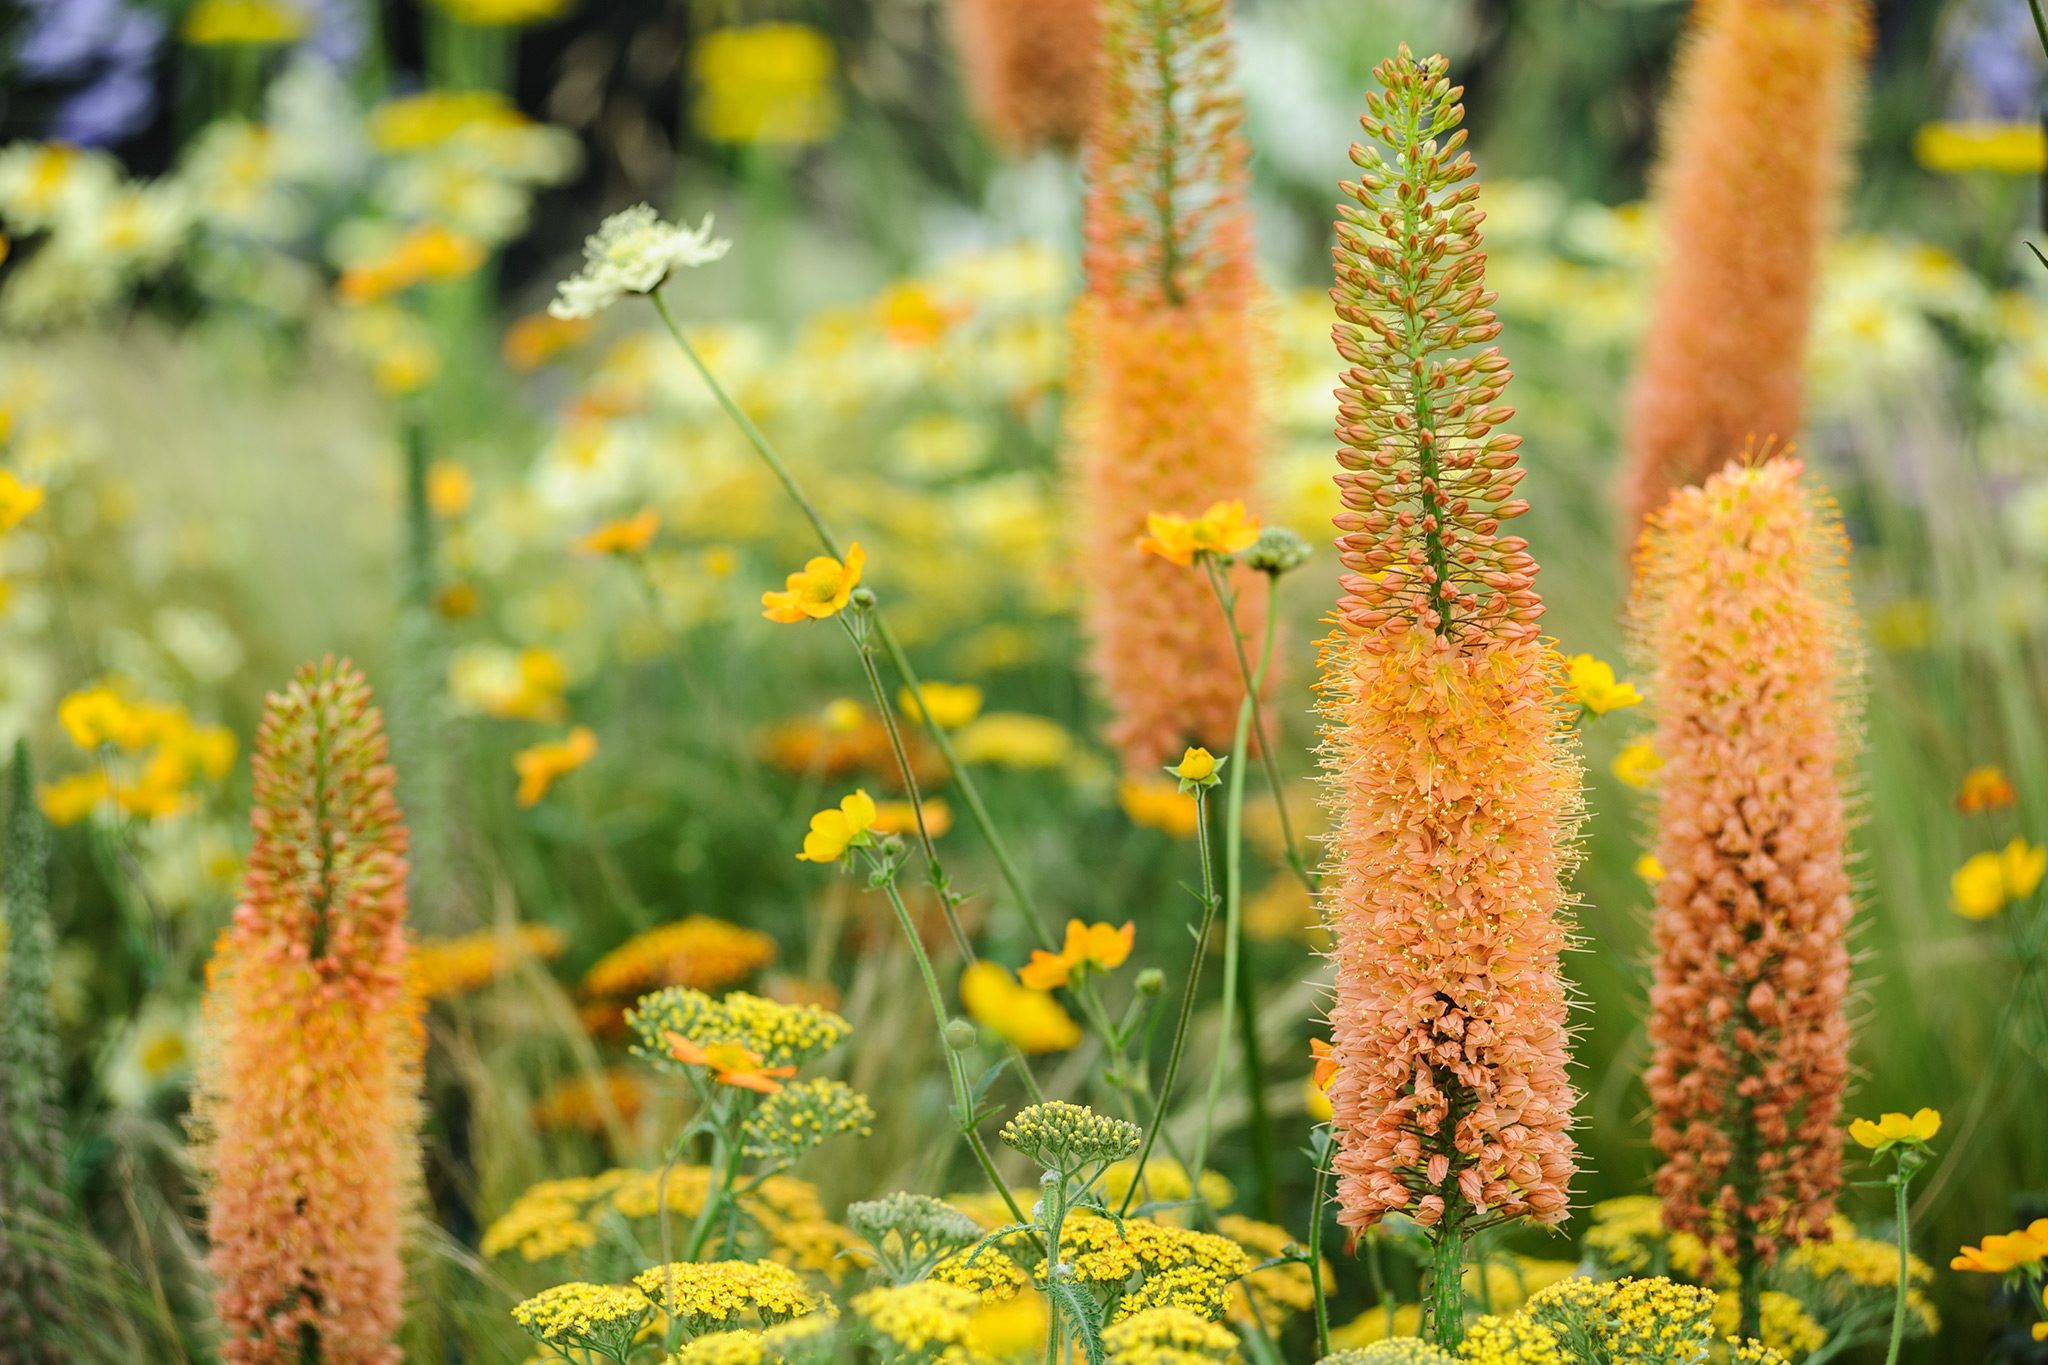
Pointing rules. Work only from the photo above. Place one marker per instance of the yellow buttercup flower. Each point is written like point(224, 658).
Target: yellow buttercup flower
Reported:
point(2005, 1251)
point(1031, 1020)
point(1224, 529)
point(2000, 148)
point(1101, 947)
point(1593, 685)
point(821, 589)
point(1896, 1130)
point(1638, 763)
point(17, 499)
point(949, 705)
point(1014, 739)
point(1197, 769)
point(1988, 882)
point(628, 536)
point(834, 831)
point(539, 765)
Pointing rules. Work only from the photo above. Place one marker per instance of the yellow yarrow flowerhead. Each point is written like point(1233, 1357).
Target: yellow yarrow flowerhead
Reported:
point(1068, 1137)
point(585, 1317)
point(1998, 148)
point(947, 705)
point(715, 1294)
point(1168, 1336)
point(1225, 529)
point(1100, 947)
point(17, 499)
point(627, 536)
point(924, 1320)
point(819, 590)
point(1992, 880)
point(242, 23)
point(539, 765)
point(834, 831)
point(1592, 684)
point(632, 252)
point(1031, 1020)
point(1638, 763)
point(1896, 1130)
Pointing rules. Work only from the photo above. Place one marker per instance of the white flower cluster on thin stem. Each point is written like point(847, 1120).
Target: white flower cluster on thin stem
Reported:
point(632, 252)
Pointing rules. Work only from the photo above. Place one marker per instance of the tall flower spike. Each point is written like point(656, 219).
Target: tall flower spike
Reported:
point(1756, 136)
point(1450, 771)
point(1743, 620)
point(1165, 383)
point(308, 1102)
point(33, 1283)
point(1031, 69)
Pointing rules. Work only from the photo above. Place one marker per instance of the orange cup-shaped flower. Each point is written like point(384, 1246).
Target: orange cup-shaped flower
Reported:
point(307, 1105)
point(1742, 616)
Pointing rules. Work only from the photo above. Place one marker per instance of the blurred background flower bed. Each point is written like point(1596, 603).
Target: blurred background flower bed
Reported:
point(279, 381)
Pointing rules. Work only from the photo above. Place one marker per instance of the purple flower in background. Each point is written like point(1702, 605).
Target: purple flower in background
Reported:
point(103, 44)
point(1996, 60)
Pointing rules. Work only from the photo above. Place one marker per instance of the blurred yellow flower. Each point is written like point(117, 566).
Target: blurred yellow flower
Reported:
point(426, 254)
point(502, 13)
point(1894, 1130)
point(223, 23)
point(1950, 148)
point(68, 800)
point(1098, 947)
point(628, 536)
point(17, 499)
point(821, 589)
point(523, 686)
point(950, 705)
point(1638, 763)
point(1031, 1020)
point(834, 831)
point(1224, 529)
point(442, 968)
point(1013, 739)
point(413, 123)
point(1592, 684)
point(458, 601)
point(1649, 868)
point(1988, 882)
point(540, 765)
point(896, 817)
point(765, 83)
point(1158, 803)
point(451, 489)
point(1985, 788)
point(534, 340)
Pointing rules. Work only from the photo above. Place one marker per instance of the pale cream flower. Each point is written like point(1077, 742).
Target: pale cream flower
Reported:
point(632, 252)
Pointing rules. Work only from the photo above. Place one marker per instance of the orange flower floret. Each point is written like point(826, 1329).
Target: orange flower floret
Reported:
point(1985, 788)
point(307, 1105)
point(2005, 1251)
point(1031, 69)
point(1165, 380)
point(1224, 529)
point(1449, 764)
point(733, 1064)
point(1746, 210)
point(1750, 1045)
point(821, 589)
point(626, 536)
point(1099, 947)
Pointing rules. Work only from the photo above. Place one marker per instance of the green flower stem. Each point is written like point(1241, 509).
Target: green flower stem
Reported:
point(1447, 1288)
point(956, 1071)
point(1255, 686)
point(977, 810)
point(1187, 1000)
point(1318, 1213)
point(1899, 1182)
